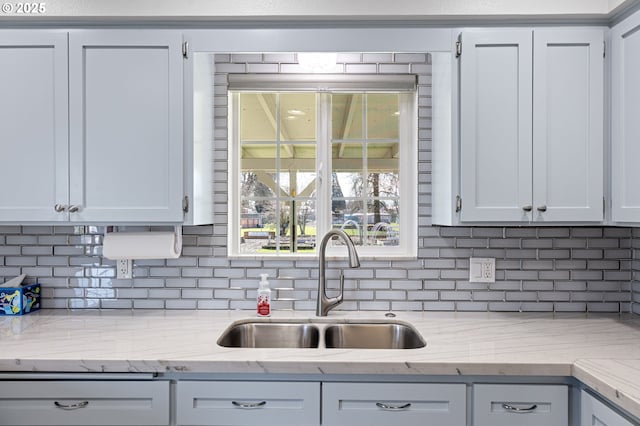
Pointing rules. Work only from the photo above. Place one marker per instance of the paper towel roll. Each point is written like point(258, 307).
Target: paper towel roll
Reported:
point(142, 245)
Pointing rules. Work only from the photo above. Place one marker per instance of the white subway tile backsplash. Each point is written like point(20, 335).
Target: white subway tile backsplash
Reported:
point(587, 275)
point(141, 282)
point(571, 264)
point(603, 307)
point(83, 303)
point(398, 69)
point(537, 285)
point(180, 304)
point(164, 293)
point(360, 68)
point(377, 57)
point(474, 306)
point(30, 250)
point(409, 58)
point(246, 57)
point(406, 306)
point(133, 293)
point(116, 304)
point(368, 306)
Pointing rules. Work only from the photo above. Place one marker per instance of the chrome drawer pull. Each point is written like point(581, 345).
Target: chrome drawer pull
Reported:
point(247, 405)
point(519, 410)
point(393, 407)
point(71, 406)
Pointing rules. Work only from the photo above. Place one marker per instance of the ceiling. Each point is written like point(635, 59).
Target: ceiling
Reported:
point(297, 115)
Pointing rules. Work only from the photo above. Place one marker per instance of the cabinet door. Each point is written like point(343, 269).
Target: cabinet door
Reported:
point(33, 125)
point(625, 122)
point(524, 405)
point(399, 404)
point(84, 403)
point(495, 125)
point(595, 413)
point(247, 403)
point(568, 120)
point(126, 125)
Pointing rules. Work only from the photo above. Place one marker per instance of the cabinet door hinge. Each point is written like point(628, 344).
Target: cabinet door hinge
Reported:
point(458, 204)
point(185, 204)
point(604, 49)
point(185, 49)
point(459, 46)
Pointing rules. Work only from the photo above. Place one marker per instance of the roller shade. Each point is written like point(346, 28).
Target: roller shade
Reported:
point(323, 82)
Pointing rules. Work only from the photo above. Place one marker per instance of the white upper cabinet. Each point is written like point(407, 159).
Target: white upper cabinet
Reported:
point(531, 125)
point(91, 126)
point(568, 121)
point(625, 121)
point(495, 130)
point(126, 148)
point(33, 125)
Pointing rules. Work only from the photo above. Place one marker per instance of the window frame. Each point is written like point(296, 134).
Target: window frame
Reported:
point(408, 171)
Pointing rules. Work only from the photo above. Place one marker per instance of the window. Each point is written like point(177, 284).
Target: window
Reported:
point(305, 161)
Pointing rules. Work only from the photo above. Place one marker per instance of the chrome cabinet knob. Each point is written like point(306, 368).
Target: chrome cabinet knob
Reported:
point(59, 208)
point(542, 208)
point(74, 209)
point(527, 208)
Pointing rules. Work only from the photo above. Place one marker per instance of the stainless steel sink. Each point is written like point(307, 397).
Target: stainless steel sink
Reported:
point(270, 335)
point(372, 336)
point(330, 335)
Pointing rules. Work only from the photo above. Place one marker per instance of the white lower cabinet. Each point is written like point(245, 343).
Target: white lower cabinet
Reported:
point(595, 413)
point(524, 405)
point(237, 403)
point(398, 404)
point(84, 403)
point(299, 403)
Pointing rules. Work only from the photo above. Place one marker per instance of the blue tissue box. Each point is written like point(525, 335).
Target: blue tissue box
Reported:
point(19, 300)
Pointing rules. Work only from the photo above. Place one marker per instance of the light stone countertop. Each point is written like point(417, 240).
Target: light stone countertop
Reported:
point(602, 351)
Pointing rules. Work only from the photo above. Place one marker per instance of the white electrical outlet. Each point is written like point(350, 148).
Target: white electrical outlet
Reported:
point(124, 269)
point(482, 270)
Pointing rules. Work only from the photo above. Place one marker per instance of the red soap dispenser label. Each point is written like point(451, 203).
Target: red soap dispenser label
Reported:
point(264, 306)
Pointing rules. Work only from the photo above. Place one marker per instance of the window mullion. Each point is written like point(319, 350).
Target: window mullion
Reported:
point(324, 166)
point(277, 176)
point(235, 172)
point(365, 178)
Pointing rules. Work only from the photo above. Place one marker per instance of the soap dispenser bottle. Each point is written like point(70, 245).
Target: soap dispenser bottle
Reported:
point(264, 297)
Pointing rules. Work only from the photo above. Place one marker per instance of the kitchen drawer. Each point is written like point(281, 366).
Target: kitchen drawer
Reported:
point(247, 403)
point(595, 413)
point(86, 403)
point(524, 405)
point(397, 404)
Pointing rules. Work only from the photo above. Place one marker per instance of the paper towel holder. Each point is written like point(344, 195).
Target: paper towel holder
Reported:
point(177, 230)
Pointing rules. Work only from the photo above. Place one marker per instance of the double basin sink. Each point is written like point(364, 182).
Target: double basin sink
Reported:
point(330, 335)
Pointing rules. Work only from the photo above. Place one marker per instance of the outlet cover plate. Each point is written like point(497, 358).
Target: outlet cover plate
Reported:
point(482, 270)
point(124, 269)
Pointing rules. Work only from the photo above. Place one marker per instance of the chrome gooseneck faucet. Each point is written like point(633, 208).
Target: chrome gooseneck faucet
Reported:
point(325, 304)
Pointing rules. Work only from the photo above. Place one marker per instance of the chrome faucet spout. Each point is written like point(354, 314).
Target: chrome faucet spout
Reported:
point(325, 304)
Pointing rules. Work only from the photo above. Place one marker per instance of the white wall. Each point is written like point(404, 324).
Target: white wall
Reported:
point(324, 8)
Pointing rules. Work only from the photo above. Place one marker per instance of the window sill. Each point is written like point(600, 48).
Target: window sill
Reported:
point(315, 256)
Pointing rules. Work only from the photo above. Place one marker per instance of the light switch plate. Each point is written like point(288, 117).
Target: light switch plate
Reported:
point(482, 270)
